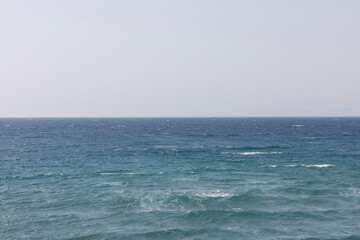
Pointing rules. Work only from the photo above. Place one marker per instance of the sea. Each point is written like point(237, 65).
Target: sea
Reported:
point(180, 178)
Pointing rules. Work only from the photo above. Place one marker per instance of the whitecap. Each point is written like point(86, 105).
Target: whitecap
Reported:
point(108, 173)
point(258, 153)
point(297, 125)
point(214, 194)
point(225, 153)
point(49, 174)
point(238, 209)
point(319, 165)
point(135, 173)
point(351, 192)
point(267, 166)
point(251, 153)
point(117, 183)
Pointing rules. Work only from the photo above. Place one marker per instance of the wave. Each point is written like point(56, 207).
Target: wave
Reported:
point(113, 184)
point(269, 166)
point(352, 237)
point(137, 173)
point(352, 192)
point(216, 194)
point(310, 138)
point(312, 165)
point(250, 153)
point(319, 165)
point(258, 153)
point(231, 147)
point(34, 176)
point(218, 215)
point(185, 233)
point(90, 236)
point(186, 202)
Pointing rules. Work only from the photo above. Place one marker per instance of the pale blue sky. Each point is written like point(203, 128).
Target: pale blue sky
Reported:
point(180, 58)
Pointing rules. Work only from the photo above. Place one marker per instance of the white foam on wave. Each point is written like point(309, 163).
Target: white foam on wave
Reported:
point(268, 166)
point(108, 173)
point(117, 183)
point(113, 184)
point(225, 153)
point(297, 125)
point(187, 179)
point(238, 209)
point(319, 165)
point(36, 175)
point(258, 153)
point(214, 194)
point(351, 192)
point(135, 173)
point(304, 165)
point(251, 153)
point(50, 174)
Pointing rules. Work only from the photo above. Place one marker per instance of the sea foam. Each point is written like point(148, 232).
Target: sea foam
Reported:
point(258, 153)
point(319, 165)
point(249, 153)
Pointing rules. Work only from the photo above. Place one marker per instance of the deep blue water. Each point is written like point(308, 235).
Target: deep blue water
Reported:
point(180, 178)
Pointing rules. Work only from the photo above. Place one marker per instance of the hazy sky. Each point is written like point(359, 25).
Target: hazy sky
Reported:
point(179, 58)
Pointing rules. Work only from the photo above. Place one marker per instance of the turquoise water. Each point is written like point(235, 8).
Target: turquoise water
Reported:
point(180, 178)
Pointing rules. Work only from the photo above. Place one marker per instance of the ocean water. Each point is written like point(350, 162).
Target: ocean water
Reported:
point(180, 178)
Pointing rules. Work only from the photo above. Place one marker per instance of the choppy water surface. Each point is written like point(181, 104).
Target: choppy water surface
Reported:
point(229, 178)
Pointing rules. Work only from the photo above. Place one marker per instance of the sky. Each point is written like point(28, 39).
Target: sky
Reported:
point(179, 58)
